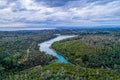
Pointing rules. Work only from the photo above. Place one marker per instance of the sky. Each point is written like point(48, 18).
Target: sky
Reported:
point(41, 13)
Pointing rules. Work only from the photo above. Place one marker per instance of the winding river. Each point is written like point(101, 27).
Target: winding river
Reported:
point(45, 47)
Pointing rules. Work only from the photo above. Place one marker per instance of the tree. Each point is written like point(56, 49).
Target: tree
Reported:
point(85, 58)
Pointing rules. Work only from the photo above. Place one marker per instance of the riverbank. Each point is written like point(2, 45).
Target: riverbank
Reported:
point(46, 47)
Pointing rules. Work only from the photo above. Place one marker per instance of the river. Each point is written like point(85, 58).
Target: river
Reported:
point(45, 47)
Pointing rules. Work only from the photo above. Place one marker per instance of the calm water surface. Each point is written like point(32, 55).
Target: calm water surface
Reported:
point(45, 47)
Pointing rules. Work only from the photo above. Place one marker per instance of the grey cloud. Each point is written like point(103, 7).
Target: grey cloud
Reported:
point(65, 12)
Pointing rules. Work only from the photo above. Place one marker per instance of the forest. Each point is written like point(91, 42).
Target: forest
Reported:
point(93, 55)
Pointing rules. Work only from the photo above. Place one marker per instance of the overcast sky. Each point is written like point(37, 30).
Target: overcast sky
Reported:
point(21, 13)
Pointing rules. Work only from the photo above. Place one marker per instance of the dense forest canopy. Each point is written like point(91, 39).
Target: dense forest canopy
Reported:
point(93, 55)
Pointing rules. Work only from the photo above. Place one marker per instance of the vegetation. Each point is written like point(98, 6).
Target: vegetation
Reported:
point(62, 71)
point(93, 55)
point(20, 49)
point(91, 51)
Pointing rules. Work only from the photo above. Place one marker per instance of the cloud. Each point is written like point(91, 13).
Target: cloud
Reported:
point(59, 12)
point(13, 25)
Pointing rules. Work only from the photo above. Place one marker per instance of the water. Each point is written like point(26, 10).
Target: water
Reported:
point(45, 47)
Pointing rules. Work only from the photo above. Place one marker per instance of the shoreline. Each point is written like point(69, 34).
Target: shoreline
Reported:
point(46, 47)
